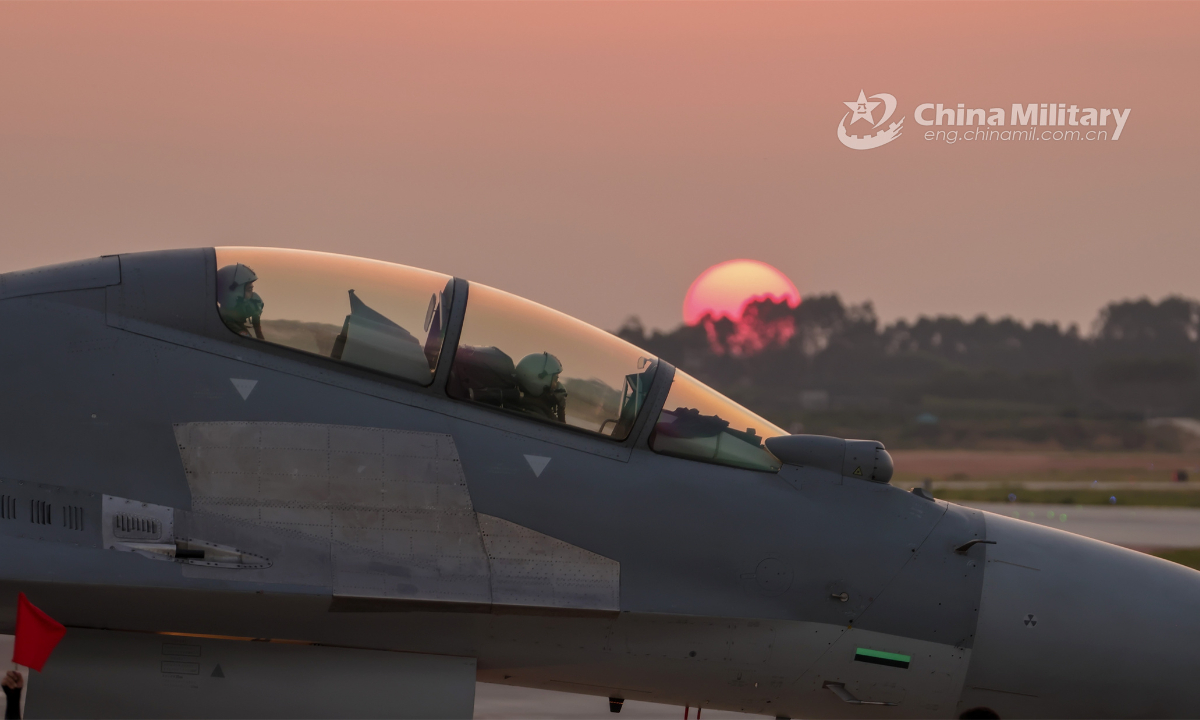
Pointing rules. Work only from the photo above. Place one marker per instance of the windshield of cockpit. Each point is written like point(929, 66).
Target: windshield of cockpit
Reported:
point(700, 423)
point(376, 315)
point(523, 357)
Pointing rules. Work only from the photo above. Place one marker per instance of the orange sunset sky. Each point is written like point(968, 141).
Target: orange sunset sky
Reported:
point(598, 156)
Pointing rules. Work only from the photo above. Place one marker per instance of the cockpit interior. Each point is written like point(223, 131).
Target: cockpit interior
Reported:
point(512, 354)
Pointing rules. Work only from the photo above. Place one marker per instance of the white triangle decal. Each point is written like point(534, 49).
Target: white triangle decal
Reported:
point(244, 387)
point(537, 463)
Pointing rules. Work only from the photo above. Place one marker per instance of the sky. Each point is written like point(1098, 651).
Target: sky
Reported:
point(598, 156)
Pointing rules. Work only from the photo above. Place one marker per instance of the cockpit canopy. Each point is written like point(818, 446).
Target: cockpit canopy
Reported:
point(516, 354)
point(377, 315)
point(700, 423)
point(513, 354)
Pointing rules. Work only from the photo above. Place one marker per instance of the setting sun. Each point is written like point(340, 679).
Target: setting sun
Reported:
point(725, 289)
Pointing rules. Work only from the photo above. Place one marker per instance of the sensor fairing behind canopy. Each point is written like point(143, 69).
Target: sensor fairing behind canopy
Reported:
point(865, 459)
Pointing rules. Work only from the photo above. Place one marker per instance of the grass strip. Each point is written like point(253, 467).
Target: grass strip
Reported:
point(1189, 557)
point(1141, 498)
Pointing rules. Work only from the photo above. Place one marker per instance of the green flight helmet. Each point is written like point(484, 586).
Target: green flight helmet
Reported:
point(236, 307)
point(538, 373)
point(231, 284)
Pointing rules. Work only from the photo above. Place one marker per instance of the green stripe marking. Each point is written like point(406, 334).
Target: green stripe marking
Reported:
point(885, 655)
point(879, 657)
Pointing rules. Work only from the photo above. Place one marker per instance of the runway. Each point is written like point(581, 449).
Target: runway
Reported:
point(1141, 528)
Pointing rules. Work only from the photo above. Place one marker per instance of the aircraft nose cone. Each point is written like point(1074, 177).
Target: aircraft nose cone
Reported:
point(1073, 627)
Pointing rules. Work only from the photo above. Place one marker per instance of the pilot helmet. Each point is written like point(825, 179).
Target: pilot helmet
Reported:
point(232, 281)
point(538, 372)
point(231, 293)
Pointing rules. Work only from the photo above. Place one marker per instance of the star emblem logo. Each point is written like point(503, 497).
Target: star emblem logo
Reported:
point(862, 108)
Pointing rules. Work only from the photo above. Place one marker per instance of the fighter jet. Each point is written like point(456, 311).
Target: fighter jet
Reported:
point(261, 482)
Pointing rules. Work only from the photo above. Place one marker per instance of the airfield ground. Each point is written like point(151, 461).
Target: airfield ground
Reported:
point(1033, 465)
point(1121, 479)
point(1136, 500)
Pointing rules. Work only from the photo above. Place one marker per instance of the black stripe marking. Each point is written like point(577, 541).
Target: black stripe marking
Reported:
point(881, 661)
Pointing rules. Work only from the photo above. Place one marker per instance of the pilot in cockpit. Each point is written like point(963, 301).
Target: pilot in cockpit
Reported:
point(237, 300)
point(542, 393)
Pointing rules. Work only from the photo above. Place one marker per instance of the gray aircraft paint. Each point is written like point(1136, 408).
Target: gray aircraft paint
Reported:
point(613, 571)
point(1098, 609)
point(392, 508)
point(530, 569)
point(217, 677)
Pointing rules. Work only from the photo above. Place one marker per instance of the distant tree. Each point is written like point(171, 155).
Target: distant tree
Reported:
point(1170, 325)
point(632, 330)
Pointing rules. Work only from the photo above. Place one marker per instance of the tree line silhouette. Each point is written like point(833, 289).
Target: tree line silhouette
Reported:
point(829, 367)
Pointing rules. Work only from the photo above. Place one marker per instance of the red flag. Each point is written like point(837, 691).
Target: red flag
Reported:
point(37, 634)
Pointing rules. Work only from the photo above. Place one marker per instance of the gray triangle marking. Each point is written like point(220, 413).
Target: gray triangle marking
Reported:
point(217, 672)
point(244, 387)
point(537, 463)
